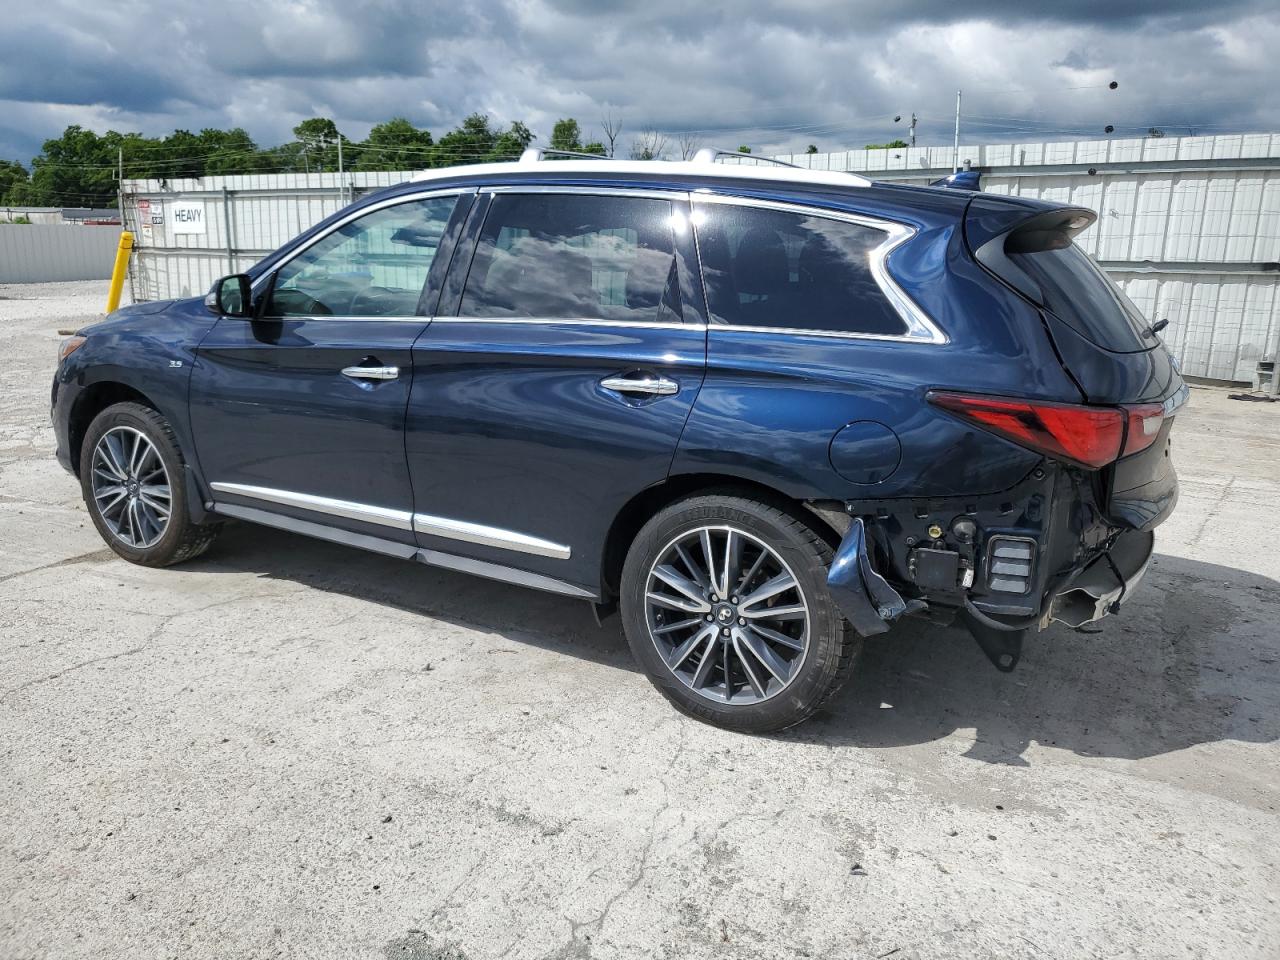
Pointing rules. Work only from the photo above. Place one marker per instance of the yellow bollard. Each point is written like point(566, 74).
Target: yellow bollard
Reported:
point(118, 272)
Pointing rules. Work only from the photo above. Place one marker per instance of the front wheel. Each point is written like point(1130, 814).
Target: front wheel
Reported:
point(725, 605)
point(131, 476)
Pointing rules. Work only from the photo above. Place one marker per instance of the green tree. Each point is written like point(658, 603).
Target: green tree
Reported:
point(891, 145)
point(566, 135)
point(596, 147)
point(315, 146)
point(511, 142)
point(12, 176)
point(812, 148)
point(744, 149)
point(77, 169)
point(471, 142)
point(395, 145)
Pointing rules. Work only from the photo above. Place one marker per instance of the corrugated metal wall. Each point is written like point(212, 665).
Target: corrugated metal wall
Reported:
point(1188, 226)
point(39, 252)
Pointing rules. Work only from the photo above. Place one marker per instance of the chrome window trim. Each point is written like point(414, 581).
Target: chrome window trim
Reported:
point(356, 215)
point(487, 536)
point(463, 530)
point(590, 190)
point(400, 519)
point(920, 327)
point(578, 322)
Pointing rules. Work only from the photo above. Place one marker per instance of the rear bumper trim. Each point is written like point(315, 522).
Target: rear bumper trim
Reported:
point(1105, 583)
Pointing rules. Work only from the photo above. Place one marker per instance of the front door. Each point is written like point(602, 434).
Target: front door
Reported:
point(301, 412)
point(557, 389)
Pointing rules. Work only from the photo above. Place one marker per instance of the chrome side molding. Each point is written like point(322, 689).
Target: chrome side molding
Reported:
point(488, 536)
point(450, 529)
point(400, 519)
point(404, 551)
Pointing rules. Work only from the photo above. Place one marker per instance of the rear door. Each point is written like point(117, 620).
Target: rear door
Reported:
point(555, 383)
point(301, 412)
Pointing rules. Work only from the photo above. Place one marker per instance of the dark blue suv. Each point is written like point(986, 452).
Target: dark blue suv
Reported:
point(765, 411)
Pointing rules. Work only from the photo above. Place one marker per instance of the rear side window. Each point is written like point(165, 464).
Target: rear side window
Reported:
point(563, 257)
point(771, 268)
point(1077, 292)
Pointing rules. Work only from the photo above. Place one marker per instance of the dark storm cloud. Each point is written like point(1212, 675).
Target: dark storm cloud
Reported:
point(775, 75)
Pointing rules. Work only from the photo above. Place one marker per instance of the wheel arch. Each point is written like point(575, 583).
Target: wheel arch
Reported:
point(637, 511)
point(93, 399)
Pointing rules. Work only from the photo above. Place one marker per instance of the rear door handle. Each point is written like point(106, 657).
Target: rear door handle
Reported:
point(371, 373)
point(654, 386)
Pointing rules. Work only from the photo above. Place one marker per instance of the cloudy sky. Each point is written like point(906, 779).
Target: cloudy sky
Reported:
point(776, 76)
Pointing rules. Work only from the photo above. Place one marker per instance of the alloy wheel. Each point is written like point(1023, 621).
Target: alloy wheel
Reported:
point(131, 487)
point(727, 615)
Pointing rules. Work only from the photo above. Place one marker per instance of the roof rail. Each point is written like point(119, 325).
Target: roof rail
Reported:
point(534, 154)
point(709, 154)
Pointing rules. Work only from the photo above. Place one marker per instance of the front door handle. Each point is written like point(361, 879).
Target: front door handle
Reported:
point(371, 373)
point(654, 386)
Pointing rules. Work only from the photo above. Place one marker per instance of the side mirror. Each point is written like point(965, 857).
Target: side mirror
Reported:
point(231, 296)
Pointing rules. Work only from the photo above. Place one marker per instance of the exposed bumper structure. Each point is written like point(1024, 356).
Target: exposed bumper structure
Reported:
point(864, 597)
point(1106, 582)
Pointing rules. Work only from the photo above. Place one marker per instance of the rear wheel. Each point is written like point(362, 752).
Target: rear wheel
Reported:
point(131, 476)
point(725, 605)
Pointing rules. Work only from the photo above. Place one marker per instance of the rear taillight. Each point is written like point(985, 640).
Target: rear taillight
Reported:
point(1145, 421)
point(1088, 436)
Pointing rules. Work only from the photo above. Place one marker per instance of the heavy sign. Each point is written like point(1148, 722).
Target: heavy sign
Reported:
point(185, 216)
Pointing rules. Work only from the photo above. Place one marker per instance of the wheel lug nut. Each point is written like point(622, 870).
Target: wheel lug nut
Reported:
point(708, 617)
point(725, 631)
point(714, 598)
point(733, 599)
point(742, 621)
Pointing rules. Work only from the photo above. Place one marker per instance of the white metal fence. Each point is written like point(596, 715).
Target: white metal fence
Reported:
point(39, 252)
point(1188, 226)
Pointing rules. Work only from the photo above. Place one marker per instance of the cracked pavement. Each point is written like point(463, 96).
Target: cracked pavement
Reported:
point(289, 748)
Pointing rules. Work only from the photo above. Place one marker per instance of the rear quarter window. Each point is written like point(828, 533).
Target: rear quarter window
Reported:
point(773, 268)
point(1076, 291)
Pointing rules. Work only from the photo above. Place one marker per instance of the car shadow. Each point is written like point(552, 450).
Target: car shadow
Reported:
point(1193, 658)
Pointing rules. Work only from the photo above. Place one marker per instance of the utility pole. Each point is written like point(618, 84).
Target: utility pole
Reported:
point(342, 183)
point(120, 186)
point(955, 153)
point(913, 129)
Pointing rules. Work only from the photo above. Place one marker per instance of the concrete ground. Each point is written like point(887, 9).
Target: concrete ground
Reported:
point(287, 748)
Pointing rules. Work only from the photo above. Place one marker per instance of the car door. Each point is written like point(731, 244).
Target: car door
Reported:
point(301, 411)
point(554, 385)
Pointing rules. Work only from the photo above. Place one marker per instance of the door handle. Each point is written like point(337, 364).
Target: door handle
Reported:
point(655, 386)
point(371, 373)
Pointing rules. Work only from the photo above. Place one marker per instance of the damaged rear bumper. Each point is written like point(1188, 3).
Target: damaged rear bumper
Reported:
point(865, 598)
point(871, 604)
point(1105, 583)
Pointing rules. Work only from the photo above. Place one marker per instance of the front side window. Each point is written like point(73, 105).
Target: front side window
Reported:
point(565, 257)
point(773, 268)
point(374, 266)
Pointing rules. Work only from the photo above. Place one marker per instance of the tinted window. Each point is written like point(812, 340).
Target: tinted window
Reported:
point(559, 256)
point(375, 266)
point(1077, 291)
point(768, 268)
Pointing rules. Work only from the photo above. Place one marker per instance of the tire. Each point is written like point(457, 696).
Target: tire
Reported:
point(128, 500)
point(800, 663)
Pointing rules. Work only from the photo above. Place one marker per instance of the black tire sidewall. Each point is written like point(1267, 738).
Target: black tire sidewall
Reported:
point(805, 553)
point(156, 429)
